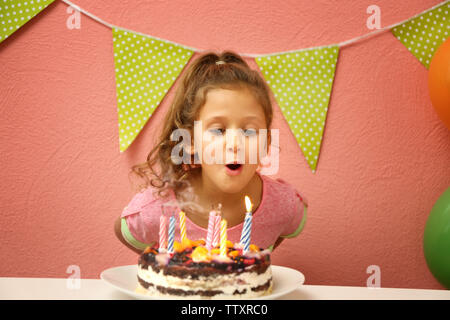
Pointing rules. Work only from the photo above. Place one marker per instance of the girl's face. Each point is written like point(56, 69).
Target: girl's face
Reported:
point(230, 156)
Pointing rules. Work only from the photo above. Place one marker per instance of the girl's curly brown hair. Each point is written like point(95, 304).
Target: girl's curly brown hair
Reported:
point(200, 77)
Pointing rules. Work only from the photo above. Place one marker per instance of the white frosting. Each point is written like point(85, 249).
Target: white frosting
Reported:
point(227, 283)
point(153, 292)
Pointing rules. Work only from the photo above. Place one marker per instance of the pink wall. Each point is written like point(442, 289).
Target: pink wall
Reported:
point(383, 164)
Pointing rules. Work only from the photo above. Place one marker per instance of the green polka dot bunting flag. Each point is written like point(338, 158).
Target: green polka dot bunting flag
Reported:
point(146, 68)
point(15, 13)
point(301, 82)
point(425, 33)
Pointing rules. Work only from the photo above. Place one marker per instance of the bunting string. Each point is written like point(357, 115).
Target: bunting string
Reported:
point(255, 55)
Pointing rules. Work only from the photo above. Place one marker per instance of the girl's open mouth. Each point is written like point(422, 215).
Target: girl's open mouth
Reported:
point(233, 169)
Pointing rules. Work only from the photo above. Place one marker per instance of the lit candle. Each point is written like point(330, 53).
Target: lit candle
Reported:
point(162, 233)
point(183, 226)
point(223, 238)
point(210, 233)
point(171, 234)
point(247, 228)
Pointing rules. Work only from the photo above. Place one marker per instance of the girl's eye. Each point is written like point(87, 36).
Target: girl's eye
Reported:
point(250, 132)
point(216, 131)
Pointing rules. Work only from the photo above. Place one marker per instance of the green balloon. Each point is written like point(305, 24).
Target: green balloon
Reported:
point(436, 239)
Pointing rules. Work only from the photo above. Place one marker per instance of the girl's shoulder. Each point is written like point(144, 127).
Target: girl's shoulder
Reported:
point(143, 199)
point(280, 190)
point(276, 185)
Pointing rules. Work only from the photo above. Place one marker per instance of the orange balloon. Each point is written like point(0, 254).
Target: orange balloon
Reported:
point(439, 82)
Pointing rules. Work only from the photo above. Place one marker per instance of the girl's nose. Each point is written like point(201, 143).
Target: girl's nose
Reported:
point(235, 145)
point(234, 148)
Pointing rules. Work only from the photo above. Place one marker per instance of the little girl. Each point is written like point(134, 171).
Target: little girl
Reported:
point(221, 93)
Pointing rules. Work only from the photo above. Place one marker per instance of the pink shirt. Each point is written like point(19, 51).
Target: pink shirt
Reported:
point(281, 213)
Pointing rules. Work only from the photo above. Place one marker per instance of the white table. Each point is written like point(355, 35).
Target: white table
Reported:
point(56, 288)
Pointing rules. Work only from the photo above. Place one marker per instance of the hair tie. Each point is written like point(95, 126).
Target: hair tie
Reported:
point(220, 62)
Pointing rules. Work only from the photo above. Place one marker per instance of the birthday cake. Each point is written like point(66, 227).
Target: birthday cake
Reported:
point(192, 271)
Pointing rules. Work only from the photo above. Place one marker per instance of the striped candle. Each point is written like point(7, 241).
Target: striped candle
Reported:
point(247, 228)
point(162, 233)
point(216, 234)
point(171, 234)
point(246, 232)
point(223, 238)
point(209, 234)
point(183, 226)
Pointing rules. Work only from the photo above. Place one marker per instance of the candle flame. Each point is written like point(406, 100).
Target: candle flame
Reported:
point(248, 204)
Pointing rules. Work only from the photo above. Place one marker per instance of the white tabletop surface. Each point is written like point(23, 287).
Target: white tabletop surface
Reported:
point(58, 289)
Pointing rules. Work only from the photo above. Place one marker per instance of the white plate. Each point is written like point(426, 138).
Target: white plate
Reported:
point(124, 278)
